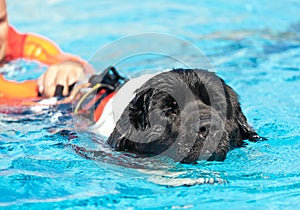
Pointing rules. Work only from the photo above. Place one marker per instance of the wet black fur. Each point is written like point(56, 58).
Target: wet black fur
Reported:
point(176, 112)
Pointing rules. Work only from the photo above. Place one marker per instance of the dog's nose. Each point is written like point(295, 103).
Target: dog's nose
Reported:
point(203, 128)
point(203, 131)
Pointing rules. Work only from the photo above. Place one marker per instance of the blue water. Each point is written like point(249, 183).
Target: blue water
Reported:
point(254, 47)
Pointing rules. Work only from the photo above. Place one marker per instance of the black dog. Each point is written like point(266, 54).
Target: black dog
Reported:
point(185, 114)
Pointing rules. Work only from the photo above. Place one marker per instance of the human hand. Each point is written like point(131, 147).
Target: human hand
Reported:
point(64, 74)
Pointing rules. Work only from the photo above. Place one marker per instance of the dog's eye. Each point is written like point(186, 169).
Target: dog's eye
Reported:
point(168, 111)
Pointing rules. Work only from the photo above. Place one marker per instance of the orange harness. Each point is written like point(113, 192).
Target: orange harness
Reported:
point(31, 47)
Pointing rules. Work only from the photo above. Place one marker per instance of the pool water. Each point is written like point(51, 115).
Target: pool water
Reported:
point(254, 47)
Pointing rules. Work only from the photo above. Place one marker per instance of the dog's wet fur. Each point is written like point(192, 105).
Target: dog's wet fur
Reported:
point(185, 114)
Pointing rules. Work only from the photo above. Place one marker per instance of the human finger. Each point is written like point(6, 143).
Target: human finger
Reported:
point(40, 84)
point(49, 79)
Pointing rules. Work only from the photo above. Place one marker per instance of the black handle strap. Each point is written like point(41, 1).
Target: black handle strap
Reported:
point(109, 77)
point(59, 90)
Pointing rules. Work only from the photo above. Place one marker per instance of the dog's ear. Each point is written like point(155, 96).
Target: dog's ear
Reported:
point(139, 109)
point(147, 123)
point(134, 117)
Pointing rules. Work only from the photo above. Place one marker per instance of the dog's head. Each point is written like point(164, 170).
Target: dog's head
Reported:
point(183, 114)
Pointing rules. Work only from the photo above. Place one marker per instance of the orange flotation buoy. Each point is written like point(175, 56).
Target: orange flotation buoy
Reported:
point(31, 47)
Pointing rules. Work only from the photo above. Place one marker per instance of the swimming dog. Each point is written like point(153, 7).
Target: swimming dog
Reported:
point(185, 114)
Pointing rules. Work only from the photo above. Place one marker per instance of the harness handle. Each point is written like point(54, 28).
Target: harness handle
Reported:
point(109, 77)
